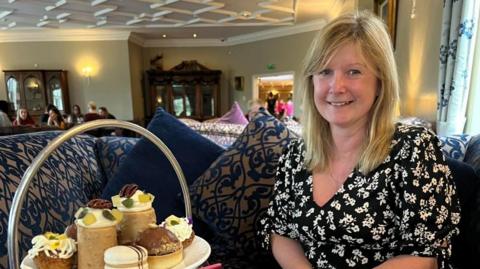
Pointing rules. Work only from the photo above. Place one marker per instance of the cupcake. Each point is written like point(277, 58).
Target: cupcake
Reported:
point(96, 232)
point(138, 213)
point(181, 227)
point(163, 247)
point(126, 257)
point(52, 251)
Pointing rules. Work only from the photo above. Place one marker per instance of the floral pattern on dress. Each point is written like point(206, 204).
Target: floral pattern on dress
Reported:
point(406, 206)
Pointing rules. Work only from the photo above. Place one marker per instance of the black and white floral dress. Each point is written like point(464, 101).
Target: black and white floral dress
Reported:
point(406, 206)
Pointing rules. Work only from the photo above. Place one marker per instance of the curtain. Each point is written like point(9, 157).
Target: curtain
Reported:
point(459, 26)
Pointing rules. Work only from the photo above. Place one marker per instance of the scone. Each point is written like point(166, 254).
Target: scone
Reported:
point(137, 210)
point(96, 232)
point(126, 257)
point(164, 248)
point(52, 251)
point(181, 227)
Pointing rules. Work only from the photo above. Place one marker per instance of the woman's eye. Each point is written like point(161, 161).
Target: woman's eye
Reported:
point(353, 72)
point(325, 72)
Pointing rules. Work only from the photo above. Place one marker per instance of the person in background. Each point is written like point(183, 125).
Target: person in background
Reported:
point(289, 107)
point(76, 117)
point(104, 114)
point(56, 119)
point(271, 102)
point(46, 114)
point(92, 112)
point(359, 191)
point(280, 109)
point(23, 118)
point(4, 119)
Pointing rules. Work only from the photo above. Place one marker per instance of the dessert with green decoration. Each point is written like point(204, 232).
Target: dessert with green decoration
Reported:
point(96, 231)
point(181, 227)
point(52, 251)
point(138, 213)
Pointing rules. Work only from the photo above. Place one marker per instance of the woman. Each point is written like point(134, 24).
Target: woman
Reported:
point(55, 118)
point(76, 117)
point(359, 191)
point(23, 118)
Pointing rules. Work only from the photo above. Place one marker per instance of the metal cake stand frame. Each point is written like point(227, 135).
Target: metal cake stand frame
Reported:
point(18, 199)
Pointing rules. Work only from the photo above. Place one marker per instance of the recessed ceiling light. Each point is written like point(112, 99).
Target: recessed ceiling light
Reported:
point(164, 35)
point(194, 35)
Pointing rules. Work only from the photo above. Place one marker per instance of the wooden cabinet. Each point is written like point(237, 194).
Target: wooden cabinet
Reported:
point(188, 90)
point(34, 89)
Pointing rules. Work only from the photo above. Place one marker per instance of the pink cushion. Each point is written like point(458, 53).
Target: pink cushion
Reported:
point(234, 115)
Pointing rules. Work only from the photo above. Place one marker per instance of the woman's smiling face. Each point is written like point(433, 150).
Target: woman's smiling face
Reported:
point(346, 88)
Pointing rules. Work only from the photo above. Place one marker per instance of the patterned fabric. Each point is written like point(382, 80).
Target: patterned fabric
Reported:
point(68, 178)
point(223, 134)
point(406, 206)
point(454, 146)
point(234, 192)
point(456, 59)
point(113, 150)
point(472, 156)
point(416, 121)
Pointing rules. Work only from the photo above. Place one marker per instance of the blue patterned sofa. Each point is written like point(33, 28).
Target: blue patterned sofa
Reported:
point(78, 172)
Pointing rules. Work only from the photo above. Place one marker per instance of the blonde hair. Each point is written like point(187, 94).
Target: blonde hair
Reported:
point(369, 33)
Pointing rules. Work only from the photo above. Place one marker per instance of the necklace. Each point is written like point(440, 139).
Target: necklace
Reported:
point(335, 181)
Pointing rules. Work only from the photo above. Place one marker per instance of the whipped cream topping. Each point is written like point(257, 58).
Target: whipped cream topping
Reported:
point(97, 218)
point(139, 201)
point(54, 245)
point(181, 227)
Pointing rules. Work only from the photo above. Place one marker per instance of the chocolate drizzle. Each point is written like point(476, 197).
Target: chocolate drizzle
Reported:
point(128, 190)
point(140, 255)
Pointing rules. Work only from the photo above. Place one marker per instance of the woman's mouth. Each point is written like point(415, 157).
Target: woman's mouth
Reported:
point(337, 103)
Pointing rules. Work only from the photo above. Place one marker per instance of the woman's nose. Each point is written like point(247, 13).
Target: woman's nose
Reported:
point(337, 84)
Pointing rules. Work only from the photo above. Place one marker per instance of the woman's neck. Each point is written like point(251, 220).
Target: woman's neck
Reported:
point(348, 142)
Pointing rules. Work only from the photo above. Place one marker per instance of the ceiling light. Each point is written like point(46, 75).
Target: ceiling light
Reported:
point(194, 35)
point(245, 14)
point(164, 35)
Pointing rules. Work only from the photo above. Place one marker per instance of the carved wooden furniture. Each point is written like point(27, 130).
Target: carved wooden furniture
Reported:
point(188, 90)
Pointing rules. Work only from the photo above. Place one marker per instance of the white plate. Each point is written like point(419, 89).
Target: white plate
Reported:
point(193, 256)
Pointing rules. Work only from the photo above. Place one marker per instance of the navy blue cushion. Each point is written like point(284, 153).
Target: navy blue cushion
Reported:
point(146, 165)
point(233, 194)
point(466, 247)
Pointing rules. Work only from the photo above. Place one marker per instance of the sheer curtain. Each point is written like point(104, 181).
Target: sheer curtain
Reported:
point(459, 26)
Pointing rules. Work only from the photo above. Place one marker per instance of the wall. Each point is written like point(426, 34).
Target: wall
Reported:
point(417, 55)
point(285, 53)
point(135, 53)
point(110, 81)
point(212, 57)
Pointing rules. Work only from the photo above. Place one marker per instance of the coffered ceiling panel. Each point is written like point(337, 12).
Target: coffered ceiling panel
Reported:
point(153, 19)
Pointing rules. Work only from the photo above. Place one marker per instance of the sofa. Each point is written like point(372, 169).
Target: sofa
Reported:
point(83, 166)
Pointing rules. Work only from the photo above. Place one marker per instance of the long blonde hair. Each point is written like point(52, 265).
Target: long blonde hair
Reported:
point(369, 33)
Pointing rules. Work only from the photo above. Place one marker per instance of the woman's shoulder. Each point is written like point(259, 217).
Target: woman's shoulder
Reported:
point(409, 132)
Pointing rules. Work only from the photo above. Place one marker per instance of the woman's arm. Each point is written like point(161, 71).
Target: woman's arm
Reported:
point(289, 253)
point(409, 261)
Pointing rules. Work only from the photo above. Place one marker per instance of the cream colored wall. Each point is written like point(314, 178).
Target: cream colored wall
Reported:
point(110, 81)
point(135, 53)
point(286, 53)
point(212, 57)
point(417, 55)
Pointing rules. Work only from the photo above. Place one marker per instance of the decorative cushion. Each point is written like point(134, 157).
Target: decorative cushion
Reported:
point(454, 146)
point(146, 165)
point(233, 194)
point(234, 115)
point(472, 155)
point(112, 152)
point(66, 181)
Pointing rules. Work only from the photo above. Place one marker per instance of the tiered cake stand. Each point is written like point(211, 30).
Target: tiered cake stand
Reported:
point(18, 199)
